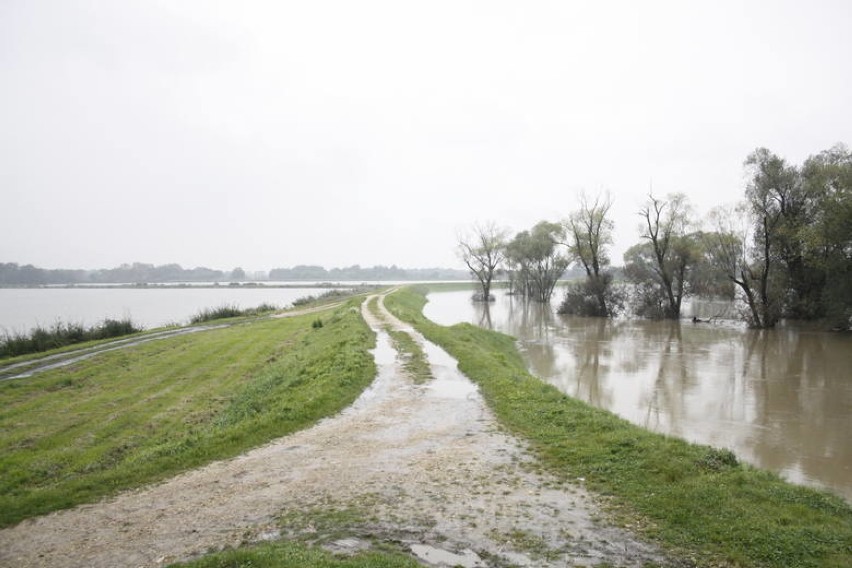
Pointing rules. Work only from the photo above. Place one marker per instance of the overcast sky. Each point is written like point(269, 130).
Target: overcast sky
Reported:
point(269, 134)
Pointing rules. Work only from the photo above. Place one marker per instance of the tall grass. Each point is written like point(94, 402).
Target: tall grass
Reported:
point(61, 334)
point(698, 501)
point(334, 294)
point(232, 311)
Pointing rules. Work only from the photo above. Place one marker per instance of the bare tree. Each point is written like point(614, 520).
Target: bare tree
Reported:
point(483, 249)
point(664, 226)
point(589, 232)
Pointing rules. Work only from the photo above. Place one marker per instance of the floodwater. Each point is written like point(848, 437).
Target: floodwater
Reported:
point(21, 309)
point(780, 399)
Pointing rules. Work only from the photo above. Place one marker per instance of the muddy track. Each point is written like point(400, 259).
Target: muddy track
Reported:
point(424, 466)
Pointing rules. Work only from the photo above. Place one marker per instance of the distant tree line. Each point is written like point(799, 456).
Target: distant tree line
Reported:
point(784, 251)
point(12, 274)
point(311, 273)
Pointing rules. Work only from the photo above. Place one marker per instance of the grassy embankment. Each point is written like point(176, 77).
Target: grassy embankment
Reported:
point(129, 417)
point(697, 501)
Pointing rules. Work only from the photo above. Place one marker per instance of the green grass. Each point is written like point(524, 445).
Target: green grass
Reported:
point(286, 554)
point(129, 417)
point(232, 311)
point(697, 501)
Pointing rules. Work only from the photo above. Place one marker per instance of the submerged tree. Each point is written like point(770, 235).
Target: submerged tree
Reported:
point(589, 232)
point(728, 251)
point(483, 251)
point(827, 238)
point(659, 268)
point(535, 260)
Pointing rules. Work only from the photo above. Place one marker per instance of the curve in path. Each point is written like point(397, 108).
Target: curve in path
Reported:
point(428, 462)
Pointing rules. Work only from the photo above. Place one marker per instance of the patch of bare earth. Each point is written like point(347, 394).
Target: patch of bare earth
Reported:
point(425, 467)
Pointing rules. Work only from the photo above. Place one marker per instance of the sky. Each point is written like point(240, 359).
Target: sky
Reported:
point(271, 134)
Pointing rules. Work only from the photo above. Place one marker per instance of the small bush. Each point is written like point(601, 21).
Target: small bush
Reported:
point(231, 311)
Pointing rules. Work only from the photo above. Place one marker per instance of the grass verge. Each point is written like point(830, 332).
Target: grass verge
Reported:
point(288, 554)
point(129, 417)
point(698, 501)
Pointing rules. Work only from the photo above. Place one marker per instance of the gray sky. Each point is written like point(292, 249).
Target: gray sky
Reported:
point(266, 134)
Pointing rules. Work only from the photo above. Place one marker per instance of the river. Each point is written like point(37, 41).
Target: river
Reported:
point(780, 399)
point(21, 309)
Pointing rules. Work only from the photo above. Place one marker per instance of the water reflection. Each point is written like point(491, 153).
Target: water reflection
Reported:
point(781, 399)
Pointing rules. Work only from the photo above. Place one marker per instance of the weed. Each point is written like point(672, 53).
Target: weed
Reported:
point(231, 311)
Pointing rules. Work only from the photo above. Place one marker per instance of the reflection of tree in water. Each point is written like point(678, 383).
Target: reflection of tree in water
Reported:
point(592, 356)
point(483, 314)
point(666, 397)
point(802, 403)
point(533, 323)
point(780, 398)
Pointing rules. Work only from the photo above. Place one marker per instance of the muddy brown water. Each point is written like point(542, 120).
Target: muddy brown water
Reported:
point(780, 399)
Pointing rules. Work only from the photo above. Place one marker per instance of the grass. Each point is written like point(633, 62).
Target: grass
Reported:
point(232, 311)
point(286, 554)
point(133, 416)
point(60, 334)
point(697, 501)
point(325, 297)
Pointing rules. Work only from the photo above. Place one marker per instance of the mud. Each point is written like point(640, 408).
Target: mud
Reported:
point(423, 466)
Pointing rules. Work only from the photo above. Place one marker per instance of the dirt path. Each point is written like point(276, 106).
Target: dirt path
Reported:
point(425, 466)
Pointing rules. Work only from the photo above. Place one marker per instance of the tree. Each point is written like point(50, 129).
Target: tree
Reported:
point(536, 261)
point(827, 239)
point(772, 195)
point(659, 268)
point(483, 249)
point(728, 251)
point(589, 231)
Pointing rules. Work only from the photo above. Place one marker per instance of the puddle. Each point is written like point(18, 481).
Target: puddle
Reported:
point(448, 381)
point(438, 557)
point(383, 353)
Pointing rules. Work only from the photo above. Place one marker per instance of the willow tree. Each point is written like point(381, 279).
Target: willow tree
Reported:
point(589, 233)
point(659, 267)
point(482, 249)
point(729, 251)
point(537, 260)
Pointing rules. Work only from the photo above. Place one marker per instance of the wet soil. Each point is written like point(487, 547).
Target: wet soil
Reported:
point(421, 466)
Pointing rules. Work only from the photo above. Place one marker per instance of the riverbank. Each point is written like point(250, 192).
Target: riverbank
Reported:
point(699, 502)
